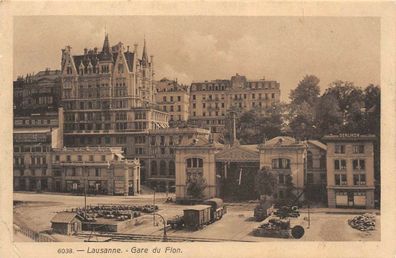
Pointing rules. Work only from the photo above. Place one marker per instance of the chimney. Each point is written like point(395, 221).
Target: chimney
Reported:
point(128, 49)
point(135, 48)
point(85, 51)
point(95, 50)
point(151, 59)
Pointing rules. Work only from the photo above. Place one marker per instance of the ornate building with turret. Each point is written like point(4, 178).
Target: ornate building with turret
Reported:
point(108, 94)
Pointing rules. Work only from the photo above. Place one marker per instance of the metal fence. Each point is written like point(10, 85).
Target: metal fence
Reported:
point(36, 236)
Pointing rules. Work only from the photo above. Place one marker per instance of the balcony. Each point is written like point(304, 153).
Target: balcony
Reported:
point(38, 166)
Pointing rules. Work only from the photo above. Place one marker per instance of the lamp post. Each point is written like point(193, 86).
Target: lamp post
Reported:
point(164, 222)
point(85, 193)
point(155, 188)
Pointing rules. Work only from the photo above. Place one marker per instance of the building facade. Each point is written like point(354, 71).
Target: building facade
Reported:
point(210, 101)
point(99, 170)
point(174, 99)
point(37, 93)
point(159, 164)
point(195, 157)
point(285, 156)
point(350, 170)
point(34, 137)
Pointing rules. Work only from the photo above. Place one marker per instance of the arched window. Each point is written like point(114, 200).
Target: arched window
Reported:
point(194, 163)
point(309, 160)
point(162, 167)
point(172, 169)
point(281, 163)
point(153, 167)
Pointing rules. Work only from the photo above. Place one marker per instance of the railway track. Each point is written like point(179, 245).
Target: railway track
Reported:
point(120, 237)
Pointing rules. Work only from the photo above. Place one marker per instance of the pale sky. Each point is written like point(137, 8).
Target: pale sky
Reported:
point(194, 48)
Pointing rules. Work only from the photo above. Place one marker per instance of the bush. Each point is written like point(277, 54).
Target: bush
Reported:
point(196, 187)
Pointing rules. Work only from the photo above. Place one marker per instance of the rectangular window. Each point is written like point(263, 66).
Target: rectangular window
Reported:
point(281, 179)
point(340, 149)
point(359, 179)
point(103, 157)
point(97, 172)
point(193, 97)
point(79, 157)
point(359, 164)
point(178, 98)
point(340, 179)
point(358, 149)
point(310, 178)
point(340, 164)
point(68, 158)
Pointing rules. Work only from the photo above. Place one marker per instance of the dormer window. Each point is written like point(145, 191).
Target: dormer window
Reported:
point(120, 68)
point(81, 69)
point(105, 69)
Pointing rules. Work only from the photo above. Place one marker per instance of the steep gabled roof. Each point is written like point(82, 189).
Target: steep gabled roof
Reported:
point(129, 56)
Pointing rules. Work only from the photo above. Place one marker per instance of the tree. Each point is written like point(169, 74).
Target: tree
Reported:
point(328, 116)
point(372, 99)
point(303, 100)
point(307, 90)
point(302, 121)
point(255, 125)
point(196, 187)
point(346, 94)
point(265, 182)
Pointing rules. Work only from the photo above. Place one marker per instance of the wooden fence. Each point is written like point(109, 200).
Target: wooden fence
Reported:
point(36, 236)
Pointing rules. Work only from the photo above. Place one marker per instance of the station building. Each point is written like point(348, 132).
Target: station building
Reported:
point(230, 170)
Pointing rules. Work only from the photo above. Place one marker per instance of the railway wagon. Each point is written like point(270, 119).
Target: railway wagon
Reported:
point(217, 208)
point(195, 217)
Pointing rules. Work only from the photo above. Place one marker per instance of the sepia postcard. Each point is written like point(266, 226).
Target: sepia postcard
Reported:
point(197, 129)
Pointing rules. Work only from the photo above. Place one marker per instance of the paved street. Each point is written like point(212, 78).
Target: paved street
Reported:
point(237, 224)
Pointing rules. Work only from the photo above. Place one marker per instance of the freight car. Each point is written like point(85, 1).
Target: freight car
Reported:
point(217, 208)
point(197, 216)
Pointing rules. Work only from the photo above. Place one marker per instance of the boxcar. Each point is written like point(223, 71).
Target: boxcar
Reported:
point(195, 217)
point(217, 208)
